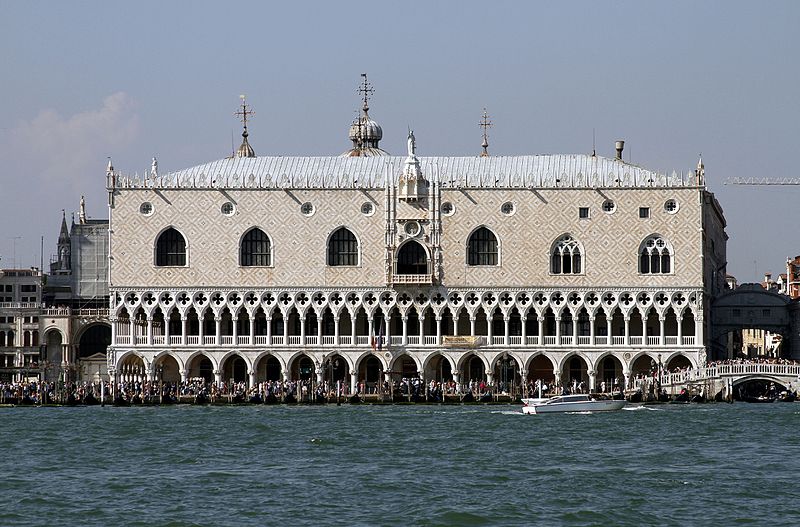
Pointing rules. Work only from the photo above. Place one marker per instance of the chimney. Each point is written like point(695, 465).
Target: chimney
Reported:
point(620, 145)
point(767, 277)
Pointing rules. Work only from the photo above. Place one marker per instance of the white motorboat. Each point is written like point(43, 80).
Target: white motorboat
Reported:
point(570, 403)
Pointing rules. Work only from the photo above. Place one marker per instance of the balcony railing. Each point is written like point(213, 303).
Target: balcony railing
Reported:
point(121, 338)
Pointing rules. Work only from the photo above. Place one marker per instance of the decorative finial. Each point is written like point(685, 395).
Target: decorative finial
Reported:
point(82, 213)
point(245, 150)
point(154, 167)
point(365, 90)
point(485, 124)
point(110, 166)
point(243, 113)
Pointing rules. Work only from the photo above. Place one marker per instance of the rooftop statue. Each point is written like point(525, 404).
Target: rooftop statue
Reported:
point(412, 145)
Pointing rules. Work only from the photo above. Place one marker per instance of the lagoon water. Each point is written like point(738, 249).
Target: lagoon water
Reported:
point(713, 464)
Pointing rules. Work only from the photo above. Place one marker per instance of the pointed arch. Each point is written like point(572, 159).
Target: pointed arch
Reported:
point(412, 258)
point(566, 256)
point(170, 248)
point(343, 248)
point(656, 255)
point(255, 249)
point(482, 247)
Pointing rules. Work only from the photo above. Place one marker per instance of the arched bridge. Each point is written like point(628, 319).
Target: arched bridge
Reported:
point(725, 377)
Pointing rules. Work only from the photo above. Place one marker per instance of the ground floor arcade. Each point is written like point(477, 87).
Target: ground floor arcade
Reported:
point(595, 370)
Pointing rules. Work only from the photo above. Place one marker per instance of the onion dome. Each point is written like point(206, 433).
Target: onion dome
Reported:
point(365, 133)
point(245, 150)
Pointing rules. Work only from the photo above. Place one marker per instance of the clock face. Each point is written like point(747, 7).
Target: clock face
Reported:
point(412, 228)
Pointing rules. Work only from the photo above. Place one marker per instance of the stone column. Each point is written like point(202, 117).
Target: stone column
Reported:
point(422, 329)
point(609, 319)
point(353, 381)
point(627, 330)
point(661, 321)
point(319, 372)
point(456, 379)
point(149, 331)
point(591, 330)
point(438, 331)
point(471, 326)
point(217, 377)
point(285, 330)
point(184, 375)
point(218, 323)
point(303, 330)
point(575, 330)
point(556, 378)
point(489, 329)
point(252, 329)
point(405, 331)
point(524, 321)
point(235, 332)
point(540, 319)
point(455, 323)
point(680, 329)
point(336, 330)
point(184, 323)
point(269, 331)
point(251, 379)
point(644, 330)
point(592, 381)
point(489, 378)
point(627, 375)
point(558, 331)
point(113, 332)
point(201, 329)
point(166, 331)
point(319, 330)
point(353, 318)
point(507, 330)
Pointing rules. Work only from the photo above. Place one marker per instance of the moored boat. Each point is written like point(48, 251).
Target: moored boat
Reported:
point(570, 403)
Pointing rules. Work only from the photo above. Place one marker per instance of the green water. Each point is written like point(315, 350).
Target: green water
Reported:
point(400, 465)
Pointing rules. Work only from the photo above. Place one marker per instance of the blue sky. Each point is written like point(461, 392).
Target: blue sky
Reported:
point(85, 80)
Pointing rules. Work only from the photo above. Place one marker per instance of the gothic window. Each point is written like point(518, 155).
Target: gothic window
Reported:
point(412, 259)
point(256, 249)
point(655, 256)
point(482, 247)
point(566, 256)
point(170, 249)
point(342, 248)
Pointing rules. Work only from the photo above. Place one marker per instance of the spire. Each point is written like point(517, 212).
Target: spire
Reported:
point(245, 150)
point(109, 167)
point(700, 172)
point(63, 236)
point(485, 124)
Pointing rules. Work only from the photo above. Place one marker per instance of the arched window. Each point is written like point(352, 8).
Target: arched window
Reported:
point(566, 256)
point(256, 249)
point(655, 256)
point(343, 248)
point(170, 249)
point(412, 259)
point(482, 247)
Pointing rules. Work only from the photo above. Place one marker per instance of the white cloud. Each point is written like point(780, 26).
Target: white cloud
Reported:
point(51, 160)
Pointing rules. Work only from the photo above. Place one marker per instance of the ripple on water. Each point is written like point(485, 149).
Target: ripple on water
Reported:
point(390, 465)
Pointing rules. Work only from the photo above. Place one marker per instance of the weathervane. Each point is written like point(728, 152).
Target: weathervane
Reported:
point(485, 124)
point(244, 112)
point(365, 90)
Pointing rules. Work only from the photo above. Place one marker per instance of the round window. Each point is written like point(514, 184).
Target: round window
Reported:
point(609, 206)
point(367, 208)
point(448, 209)
point(307, 209)
point(671, 206)
point(507, 208)
point(146, 208)
point(228, 209)
point(412, 228)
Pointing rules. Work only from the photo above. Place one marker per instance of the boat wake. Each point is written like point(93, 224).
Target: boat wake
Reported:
point(636, 408)
point(507, 412)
